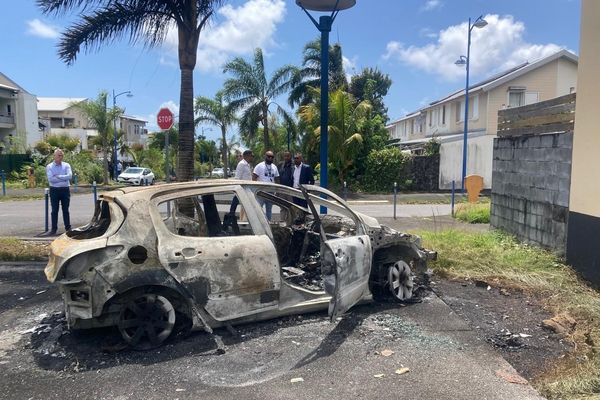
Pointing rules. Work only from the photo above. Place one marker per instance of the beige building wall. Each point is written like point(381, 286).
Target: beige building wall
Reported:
point(542, 80)
point(585, 184)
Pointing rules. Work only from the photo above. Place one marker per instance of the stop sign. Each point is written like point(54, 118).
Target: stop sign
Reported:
point(164, 118)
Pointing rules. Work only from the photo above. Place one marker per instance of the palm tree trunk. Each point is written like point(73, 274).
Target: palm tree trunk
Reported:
point(266, 138)
point(225, 151)
point(185, 168)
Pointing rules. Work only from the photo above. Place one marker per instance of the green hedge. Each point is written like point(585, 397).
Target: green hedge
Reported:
point(384, 167)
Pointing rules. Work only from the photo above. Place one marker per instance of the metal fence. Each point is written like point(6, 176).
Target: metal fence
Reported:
point(13, 162)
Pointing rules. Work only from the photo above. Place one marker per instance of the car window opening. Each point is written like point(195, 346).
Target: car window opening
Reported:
point(97, 227)
point(206, 215)
point(297, 240)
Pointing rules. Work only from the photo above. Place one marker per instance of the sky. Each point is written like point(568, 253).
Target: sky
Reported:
point(415, 42)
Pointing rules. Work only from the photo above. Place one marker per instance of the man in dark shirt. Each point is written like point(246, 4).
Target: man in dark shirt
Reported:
point(286, 170)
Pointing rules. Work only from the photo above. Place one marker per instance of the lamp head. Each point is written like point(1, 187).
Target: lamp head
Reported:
point(480, 23)
point(129, 94)
point(326, 5)
point(461, 61)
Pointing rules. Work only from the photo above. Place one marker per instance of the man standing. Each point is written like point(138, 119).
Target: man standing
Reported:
point(266, 171)
point(286, 170)
point(119, 169)
point(59, 174)
point(302, 174)
point(243, 171)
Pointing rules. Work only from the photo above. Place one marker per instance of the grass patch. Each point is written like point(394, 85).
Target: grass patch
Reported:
point(21, 198)
point(477, 213)
point(498, 258)
point(12, 249)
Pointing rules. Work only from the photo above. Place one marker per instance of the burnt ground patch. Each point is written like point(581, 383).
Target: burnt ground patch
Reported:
point(21, 283)
point(509, 320)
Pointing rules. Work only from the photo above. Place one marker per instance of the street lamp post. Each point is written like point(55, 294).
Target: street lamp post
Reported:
point(324, 26)
point(115, 161)
point(479, 23)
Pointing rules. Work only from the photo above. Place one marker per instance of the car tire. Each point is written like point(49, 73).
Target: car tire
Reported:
point(146, 321)
point(393, 282)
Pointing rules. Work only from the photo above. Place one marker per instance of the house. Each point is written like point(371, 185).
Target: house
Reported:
point(134, 129)
point(60, 116)
point(443, 119)
point(18, 117)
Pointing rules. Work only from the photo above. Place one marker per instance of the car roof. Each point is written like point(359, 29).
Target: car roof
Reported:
point(132, 193)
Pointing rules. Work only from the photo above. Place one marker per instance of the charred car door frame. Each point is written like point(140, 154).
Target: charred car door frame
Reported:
point(229, 276)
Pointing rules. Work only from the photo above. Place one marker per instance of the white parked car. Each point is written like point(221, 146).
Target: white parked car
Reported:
point(137, 176)
point(217, 173)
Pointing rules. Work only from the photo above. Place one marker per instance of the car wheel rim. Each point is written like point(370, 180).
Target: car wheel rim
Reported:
point(400, 281)
point(147, 321)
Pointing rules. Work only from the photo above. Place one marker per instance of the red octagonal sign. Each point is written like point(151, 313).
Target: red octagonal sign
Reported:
point(164, 119)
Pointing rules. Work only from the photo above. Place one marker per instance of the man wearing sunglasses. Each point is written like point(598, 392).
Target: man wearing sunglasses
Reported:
point(266, 171)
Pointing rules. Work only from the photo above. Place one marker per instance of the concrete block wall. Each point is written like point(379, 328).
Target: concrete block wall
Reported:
point(531, 178)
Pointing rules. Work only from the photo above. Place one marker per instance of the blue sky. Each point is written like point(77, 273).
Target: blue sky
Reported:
point(414, 41)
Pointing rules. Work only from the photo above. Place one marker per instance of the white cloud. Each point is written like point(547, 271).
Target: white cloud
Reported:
point(498, 46)
point(428, 33)
point(41, 29)
point(432, 5)
point(349, 66)
point(240, 31)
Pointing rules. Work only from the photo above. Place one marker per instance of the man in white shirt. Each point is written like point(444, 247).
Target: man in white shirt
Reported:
point(243, 171)
point(266, 171)
point(59, 174)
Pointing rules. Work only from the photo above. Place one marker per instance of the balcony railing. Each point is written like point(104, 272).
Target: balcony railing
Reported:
point(7, 119)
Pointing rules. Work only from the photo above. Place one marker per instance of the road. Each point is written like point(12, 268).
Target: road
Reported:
point(26, 218)
point(356, 357)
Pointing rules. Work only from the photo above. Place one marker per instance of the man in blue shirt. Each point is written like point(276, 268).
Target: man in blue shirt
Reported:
point(59, 174)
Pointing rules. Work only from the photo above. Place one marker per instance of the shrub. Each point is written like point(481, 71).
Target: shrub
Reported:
point(473, 213)
point(383, 168)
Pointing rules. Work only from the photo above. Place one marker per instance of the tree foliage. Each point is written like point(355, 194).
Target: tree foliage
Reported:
point(384, 167)
point(102, 119)
point(250, 92)
point(216, 112)
point(148, 22)
point(372, 85)
point(308, 78)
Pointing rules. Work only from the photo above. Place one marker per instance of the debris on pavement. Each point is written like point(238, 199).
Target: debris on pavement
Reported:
point(378, 375)
point(511, 377)
point(508, 340)
point(402, 371)
point(562, 324)
point(387, 353)
point(296, 380)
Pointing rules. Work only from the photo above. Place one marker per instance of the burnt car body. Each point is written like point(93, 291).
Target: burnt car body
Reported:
point(153, 257)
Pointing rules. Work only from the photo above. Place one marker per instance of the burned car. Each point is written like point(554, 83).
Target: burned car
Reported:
point(205, 255)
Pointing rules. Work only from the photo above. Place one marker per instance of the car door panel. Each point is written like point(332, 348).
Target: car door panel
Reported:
point(346, 266)
point(230, 276)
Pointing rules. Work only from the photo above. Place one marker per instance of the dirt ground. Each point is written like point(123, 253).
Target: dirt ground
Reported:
point(507, 319)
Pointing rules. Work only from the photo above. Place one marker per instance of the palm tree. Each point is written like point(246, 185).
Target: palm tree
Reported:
point(146, 21)
point(250, 92)
point(216, 112)
point(102, 119)
point(309, 76)
point(346, 119)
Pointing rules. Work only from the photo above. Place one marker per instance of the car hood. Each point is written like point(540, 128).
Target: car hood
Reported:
point(130, 175)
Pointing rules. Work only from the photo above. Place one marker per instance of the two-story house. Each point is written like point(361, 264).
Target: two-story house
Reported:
point(18, 117)
point(62, 117)
point(443, 119)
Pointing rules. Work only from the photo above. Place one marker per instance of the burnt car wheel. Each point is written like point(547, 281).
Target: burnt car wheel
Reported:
point(147, 321)
point(400, 282)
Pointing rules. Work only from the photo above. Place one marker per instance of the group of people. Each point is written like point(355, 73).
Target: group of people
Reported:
point(290, 172)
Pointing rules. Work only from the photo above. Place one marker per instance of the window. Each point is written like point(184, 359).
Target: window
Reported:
point(531, 97)
point(430, 116)
point(475, 109)
point(460, 111)
point(8, 110)
point(516, 98)
point(444, 115)
point(205, 215)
